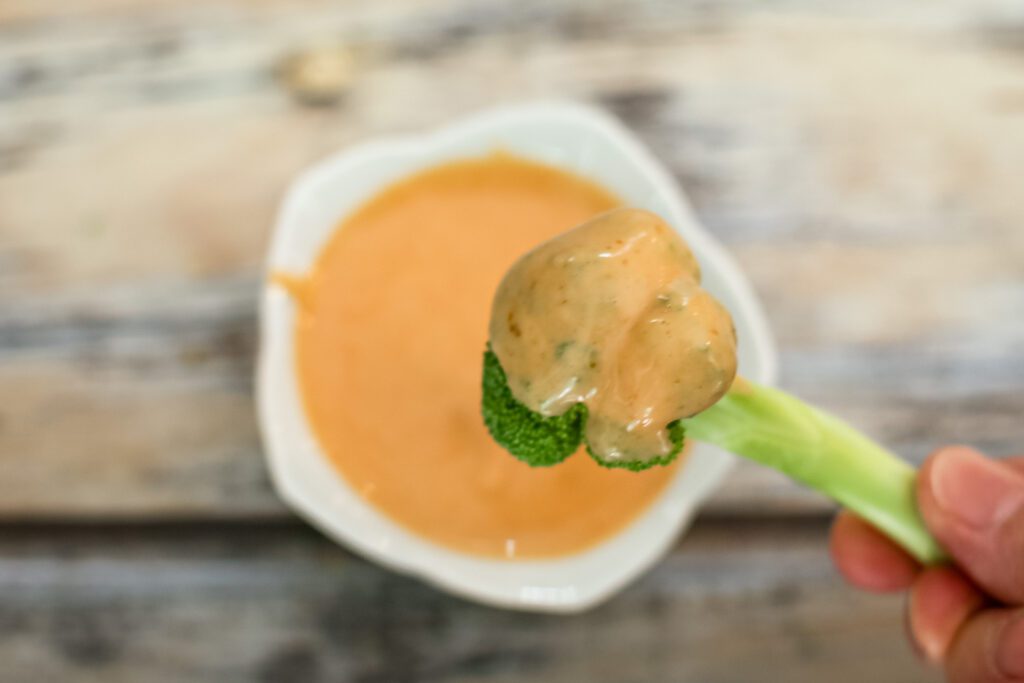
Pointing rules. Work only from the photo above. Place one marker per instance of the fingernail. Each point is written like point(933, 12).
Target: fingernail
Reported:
point(974, 489)
point(940, 601)
point(1010, 650)
point(911, 637)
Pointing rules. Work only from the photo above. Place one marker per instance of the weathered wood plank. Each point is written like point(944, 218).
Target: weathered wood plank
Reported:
point(736, 603)
point(143, 148)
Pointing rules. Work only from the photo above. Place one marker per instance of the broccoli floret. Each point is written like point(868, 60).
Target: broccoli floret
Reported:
point(676, 433)
point(541, 441)
point(535, 439)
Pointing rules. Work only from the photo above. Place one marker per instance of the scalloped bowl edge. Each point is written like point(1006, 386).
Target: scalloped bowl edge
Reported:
point(574, 136)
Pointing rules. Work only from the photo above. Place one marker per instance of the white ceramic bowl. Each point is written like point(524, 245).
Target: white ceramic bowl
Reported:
point(571, 136)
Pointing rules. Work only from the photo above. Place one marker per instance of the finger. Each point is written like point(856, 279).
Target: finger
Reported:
point(1016, 463)
point(867, 559)
point(975, 507)
point(989, 649)
point(941, 600)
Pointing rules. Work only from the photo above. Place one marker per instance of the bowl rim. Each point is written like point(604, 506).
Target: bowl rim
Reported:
point(304, 490)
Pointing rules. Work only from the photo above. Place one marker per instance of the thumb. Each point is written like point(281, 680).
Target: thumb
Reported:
point(975, 508)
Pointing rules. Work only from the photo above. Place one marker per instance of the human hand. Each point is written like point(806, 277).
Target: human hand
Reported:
point(968, 617)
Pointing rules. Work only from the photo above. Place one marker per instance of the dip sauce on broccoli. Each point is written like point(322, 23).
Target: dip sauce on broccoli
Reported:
point(611, 314)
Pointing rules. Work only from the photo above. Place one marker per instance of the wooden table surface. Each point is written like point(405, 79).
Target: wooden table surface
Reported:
point(863, 160)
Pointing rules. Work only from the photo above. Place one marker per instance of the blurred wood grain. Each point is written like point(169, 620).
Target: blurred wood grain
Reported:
point(863, 160)
point(737, 603)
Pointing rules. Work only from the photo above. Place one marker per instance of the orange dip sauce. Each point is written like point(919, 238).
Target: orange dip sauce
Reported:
point(390, 334)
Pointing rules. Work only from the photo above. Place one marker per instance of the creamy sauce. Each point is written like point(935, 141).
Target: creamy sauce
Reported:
point(612, 314)
point(391, 328)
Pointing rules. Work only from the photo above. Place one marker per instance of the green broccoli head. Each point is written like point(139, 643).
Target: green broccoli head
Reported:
point(533, 438)
point(676, 433)
point(541, 441)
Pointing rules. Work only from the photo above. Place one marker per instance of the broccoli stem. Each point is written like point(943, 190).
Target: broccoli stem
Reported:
point(775, 429)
